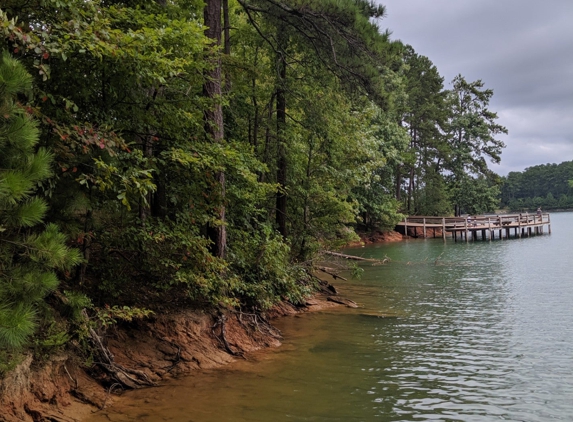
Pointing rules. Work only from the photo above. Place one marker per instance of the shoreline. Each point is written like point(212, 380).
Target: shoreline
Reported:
point(177, 343)
point(162, 348)
point(376, 236)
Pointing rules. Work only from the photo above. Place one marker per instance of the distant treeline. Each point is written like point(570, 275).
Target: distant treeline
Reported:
point(547, 186)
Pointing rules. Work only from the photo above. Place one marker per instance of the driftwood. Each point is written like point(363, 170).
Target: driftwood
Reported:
point(374, 315)
point(331, 272)
point(330, 288)
point(325, 286)
point(352, 257)
point(343, 301)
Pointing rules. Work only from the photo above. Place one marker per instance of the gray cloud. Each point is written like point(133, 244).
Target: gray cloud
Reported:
point(522, 49)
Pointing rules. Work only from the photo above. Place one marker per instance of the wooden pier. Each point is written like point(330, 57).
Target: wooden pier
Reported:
point(475, 227)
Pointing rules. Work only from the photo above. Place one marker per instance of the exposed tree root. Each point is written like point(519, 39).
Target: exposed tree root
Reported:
point(257, 322)
point(177, 358)
point(109, 391)
point(43, 416)
point(126, 377)
point(223, 338)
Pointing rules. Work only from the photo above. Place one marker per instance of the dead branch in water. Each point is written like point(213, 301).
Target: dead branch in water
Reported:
point(352, 257)
point(324, 286)
point(342, 301)
point(331, 272)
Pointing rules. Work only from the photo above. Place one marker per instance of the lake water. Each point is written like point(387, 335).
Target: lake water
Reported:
point(446, 332)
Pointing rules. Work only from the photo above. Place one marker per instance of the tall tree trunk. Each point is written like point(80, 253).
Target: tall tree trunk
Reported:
point(227, 43)
point(398, 182)
point(281, 208)
point(255, 141)
point(268, 136)
point(145, 203)
point(410, 187)
point(214, 117)
point(306, 209)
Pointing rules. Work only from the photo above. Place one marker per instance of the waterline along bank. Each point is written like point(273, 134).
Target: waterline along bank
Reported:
point(484, 333)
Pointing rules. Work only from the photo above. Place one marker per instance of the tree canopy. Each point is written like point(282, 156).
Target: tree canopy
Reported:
point(547, 185)
point(200, 154)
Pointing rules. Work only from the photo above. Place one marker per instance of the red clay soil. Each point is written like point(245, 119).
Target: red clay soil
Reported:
point(394, 236)
point(165, 347)
point(377, 237)
point(418, 232)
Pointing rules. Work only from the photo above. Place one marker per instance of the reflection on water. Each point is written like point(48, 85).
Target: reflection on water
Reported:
point(472, 332)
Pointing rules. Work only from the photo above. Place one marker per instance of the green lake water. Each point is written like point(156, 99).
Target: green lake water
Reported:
point(471, 332)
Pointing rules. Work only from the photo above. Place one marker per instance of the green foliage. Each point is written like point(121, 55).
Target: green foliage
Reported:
point(548, 186)
point(476, 195)
point(8, 361)
point(267, 276)
point(356, 271)
point(320, 108)
point(472, 128)
point(384, 144)
point(29, 257)
point(128, 177)
point(54, 337)
point(452, 135)
point(109, 316)
point(434, 199)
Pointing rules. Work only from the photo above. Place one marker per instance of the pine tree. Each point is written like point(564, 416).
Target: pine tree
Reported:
point(29, 256)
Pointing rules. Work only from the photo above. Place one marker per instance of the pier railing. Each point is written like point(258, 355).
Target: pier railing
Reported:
point(524, 224)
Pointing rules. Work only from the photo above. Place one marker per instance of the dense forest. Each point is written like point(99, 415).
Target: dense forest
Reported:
point(183, 153)
point(549, 186)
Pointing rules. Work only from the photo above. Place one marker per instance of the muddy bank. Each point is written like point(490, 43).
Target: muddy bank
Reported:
point(377, 236)
point(166, 346)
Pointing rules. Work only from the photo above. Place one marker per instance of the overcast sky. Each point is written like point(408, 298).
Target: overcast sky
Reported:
point(522, 49)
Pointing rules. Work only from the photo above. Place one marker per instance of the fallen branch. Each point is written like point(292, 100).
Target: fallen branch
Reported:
point(352, 257)
point(330, 271)
point(343, 301)
point(325, 286)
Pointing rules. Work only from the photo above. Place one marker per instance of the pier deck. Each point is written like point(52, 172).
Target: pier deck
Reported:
point(472, 227)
